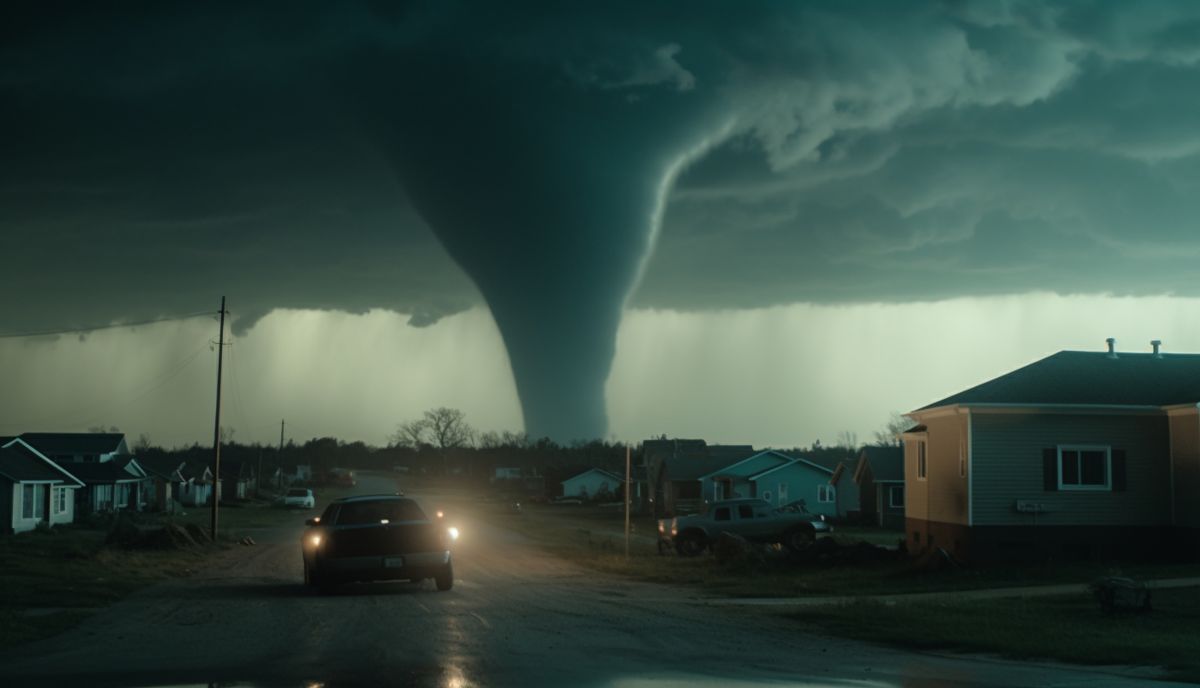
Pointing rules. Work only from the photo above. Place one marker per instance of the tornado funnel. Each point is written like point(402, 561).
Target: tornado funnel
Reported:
point(548, 195)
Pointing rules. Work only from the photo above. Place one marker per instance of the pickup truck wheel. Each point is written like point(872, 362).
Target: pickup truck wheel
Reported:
point(689, 545)
point(799, 539)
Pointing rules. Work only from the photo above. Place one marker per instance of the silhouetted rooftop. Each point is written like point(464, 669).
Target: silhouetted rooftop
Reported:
point(1092, 378)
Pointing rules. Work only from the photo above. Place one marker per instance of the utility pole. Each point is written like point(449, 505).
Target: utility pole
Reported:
point(279, 459)
point(216, 497)
point(627, 500)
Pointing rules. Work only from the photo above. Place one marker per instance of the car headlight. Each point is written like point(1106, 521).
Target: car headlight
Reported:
point(315, 540)
point(453, 532)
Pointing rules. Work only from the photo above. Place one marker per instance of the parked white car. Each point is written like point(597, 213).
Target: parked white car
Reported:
point(300, 497)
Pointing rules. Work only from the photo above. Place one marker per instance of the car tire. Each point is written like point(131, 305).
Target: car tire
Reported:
point(689, 545)
point(445, 578)
point(799, 539)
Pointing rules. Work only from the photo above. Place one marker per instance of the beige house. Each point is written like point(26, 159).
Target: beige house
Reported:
point(1080, 454)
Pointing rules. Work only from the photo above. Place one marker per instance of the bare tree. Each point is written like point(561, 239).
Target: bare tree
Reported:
point(889, 436)
point(847, 439)
point(448, 428)
point(411, 434)
point(143, 443)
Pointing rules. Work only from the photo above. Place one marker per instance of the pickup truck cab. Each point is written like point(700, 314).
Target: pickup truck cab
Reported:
point(754, 519)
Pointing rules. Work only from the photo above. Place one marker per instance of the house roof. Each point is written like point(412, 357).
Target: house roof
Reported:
point(1091, 378)
point(739, 469)
point(601, 471)
point(166, 467)
point(74, 442)
point(696, 467)
point(19, 463)
point(795, 461)
point(104, 472)
point(887, 463)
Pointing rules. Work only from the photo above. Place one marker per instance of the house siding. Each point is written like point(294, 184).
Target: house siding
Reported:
point(801, 481)
point(1185, 458)
point(1007, 461)
point(741, 486)
point(943, 495)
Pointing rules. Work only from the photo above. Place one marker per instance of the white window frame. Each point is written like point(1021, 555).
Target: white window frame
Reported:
point(922, 460)
point(781, 491)
point(59, 500)
point(28, 499)
point(1078, 449)
point(826, 494)
point(892, 496)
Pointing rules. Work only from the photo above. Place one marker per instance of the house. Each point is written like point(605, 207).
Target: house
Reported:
point(673, 469)
point(593, 482)
point(1078, 454)
point(841, 492)
point(198, 483)
point(734, 481)
point(798, 479)
point(879, 475)
point(165, 483)
point(116, 484)
point(112, 477)
point(237, 479)
point(506, 473)
point(33, 489)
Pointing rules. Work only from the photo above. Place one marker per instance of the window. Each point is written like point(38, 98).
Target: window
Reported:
point(826, 494)
point(31, 501)
point(59, 501)
point(745, 511)
point(782, 491)
point(721, 514)
point(896, 496)
point(921, 467)
point(1084, 467)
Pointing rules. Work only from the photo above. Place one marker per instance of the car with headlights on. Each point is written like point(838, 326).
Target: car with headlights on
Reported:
point(377, 538)
point(300, 498)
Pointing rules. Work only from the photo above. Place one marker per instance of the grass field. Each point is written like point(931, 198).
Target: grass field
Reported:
point(53, 579)
point(1066, 628)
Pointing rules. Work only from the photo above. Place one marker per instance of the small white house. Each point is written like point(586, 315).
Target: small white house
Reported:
point(507, 473)
point(33, 489)
point(592, 482)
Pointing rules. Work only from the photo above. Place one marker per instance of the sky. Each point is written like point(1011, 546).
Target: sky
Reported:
point(592, 220)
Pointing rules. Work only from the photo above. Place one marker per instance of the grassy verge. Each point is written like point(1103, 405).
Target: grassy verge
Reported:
point(593, 538)
point(54, 579)
point(1067, 628)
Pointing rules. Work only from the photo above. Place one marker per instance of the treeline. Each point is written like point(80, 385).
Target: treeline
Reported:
point(476, 463)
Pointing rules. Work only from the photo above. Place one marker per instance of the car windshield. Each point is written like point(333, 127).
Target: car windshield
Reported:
point(391, 510)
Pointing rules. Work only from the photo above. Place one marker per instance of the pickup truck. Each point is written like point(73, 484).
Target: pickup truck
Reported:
point(754, 519)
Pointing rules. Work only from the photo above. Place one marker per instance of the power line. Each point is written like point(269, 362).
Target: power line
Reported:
point(94, 328)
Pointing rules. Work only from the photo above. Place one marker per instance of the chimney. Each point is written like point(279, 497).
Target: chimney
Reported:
point(1112, 344)
point(1156, 343)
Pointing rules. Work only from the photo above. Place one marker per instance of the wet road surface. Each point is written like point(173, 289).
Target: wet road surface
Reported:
point(516, 617)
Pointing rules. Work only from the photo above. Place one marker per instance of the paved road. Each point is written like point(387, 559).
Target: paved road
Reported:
point(516, 617)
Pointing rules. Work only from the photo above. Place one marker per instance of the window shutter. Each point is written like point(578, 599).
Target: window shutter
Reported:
point(1118, 470)
point(1050, 469)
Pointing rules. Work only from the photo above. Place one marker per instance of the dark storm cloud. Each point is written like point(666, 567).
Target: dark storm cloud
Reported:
point(298, 156)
